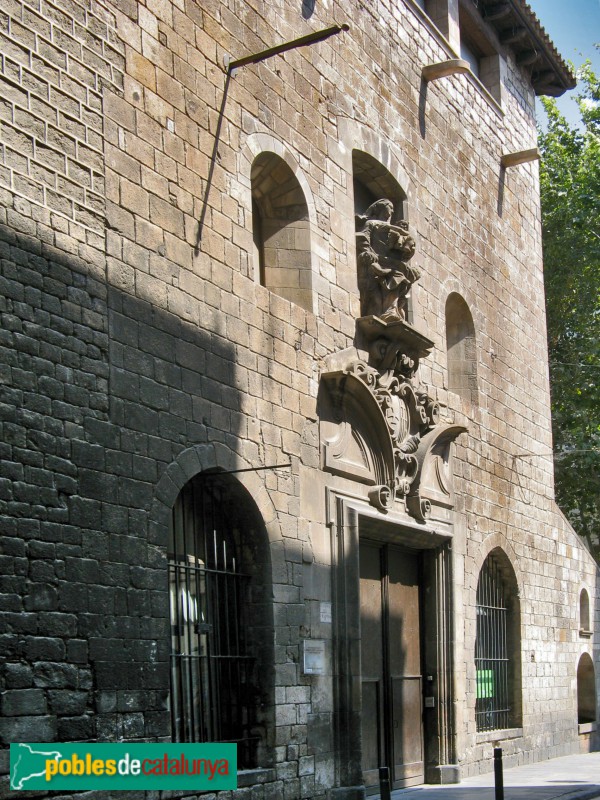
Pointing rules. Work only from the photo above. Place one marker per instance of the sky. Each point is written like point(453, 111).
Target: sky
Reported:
point(574, 27)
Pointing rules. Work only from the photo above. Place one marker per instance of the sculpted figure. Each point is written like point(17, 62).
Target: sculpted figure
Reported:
point(383, 252)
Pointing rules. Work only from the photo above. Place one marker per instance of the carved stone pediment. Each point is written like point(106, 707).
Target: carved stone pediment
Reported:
point(379, 426)
point(431, 493)
point(381, 430)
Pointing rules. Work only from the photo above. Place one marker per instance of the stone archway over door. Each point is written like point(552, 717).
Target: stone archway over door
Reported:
point(391, 664)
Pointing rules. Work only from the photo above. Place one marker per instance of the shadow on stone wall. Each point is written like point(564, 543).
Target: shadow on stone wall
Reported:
point(101, 391)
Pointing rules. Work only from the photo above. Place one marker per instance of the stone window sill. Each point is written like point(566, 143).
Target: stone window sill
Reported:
point(499, 735)
point(250, 777)
point(587, 727)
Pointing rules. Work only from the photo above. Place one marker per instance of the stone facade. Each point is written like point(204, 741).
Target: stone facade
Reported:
point(141, 349)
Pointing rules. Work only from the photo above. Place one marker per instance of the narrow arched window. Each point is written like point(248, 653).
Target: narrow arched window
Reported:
point(497, 647)
point(586, 690)
point(584, 613)
point(220, 678)
point(371, 181)
point(281, 230)
point(461, 349)
point(378, 197)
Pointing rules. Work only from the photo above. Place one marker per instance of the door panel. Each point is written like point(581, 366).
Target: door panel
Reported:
point(392, 732)
point(372, 662)
point(408, 740)
point(404, 636)
point(403, 627)
point(371, 738)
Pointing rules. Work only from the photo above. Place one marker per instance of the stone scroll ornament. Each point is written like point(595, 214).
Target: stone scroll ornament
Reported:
point(409, 414)
point(384, 428)
point(383, 252)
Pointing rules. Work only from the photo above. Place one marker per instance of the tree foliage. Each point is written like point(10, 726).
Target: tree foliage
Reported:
point(570, 190)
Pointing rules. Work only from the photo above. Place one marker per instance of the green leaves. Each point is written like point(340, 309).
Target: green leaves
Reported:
point(570, 190)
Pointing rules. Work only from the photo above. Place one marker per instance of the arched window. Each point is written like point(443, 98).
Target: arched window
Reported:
point(461, 349)
point(281, 231)
point(497, 646)
point(584, 613)
point(220, 627)
point(586, 690)
point(372, 181)
point(374, 185)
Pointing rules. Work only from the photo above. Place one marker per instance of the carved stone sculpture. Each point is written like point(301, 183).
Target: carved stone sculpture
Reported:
point(409, 413)
point(384, 429)
point(383, 253)
point(380, 426)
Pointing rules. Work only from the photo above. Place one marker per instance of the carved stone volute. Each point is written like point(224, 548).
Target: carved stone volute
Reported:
point(381, 426)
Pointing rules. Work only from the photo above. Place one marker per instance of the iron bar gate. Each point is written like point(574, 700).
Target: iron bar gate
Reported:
point(492, 709)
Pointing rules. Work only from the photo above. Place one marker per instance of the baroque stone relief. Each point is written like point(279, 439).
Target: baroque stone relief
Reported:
point(381, 426)
point(383, 253)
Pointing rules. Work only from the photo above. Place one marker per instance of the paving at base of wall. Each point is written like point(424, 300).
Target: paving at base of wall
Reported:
point(574, 777)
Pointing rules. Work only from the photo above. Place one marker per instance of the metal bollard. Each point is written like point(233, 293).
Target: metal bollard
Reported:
point(498, 776)
point(384, 783)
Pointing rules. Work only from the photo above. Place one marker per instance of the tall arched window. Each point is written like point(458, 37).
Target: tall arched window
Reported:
point(497, 646)
point(372, 182)
point(218, 567)
point(586, 690)
point(584, 613)
point(281, 230)
point(461, 349)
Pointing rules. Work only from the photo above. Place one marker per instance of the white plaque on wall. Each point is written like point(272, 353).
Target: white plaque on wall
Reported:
point(325, 612)
point(314, 657)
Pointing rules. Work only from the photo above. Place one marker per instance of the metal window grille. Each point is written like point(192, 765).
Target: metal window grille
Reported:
point(492, 707)
point(211, 669)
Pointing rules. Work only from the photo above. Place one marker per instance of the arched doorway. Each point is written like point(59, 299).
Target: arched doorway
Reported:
point(221, 619)
point(586, 690)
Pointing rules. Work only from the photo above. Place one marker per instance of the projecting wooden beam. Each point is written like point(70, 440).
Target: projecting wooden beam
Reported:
point(520, 157)
point(550, 89)
point(527, 57)
point(512, 35)
point(496, 12)
point(543, 75)
point(455, 66)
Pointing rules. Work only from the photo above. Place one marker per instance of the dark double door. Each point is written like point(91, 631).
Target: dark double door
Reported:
point(392, 687)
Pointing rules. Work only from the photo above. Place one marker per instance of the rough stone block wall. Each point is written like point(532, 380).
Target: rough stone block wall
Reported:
point(81, 659)
point(118, 357)
point(56, 61)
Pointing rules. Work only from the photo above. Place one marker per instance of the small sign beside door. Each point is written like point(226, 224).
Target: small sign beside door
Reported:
point(314, 657)
point(325, 609)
